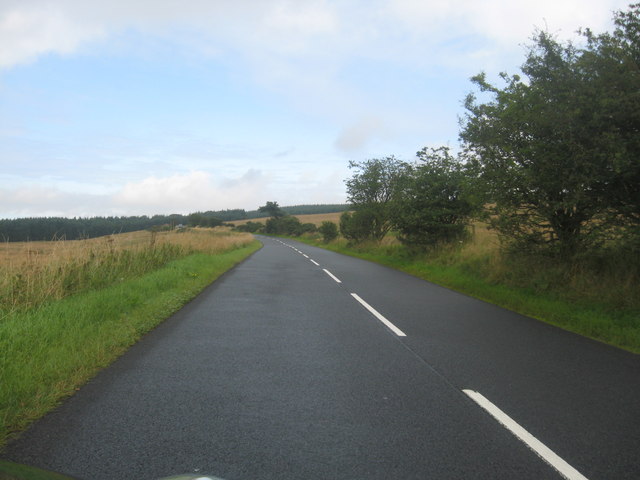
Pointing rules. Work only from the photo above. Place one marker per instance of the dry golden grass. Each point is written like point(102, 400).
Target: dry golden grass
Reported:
point(483, 242)
point(198, 239)
point(206, 240)
point(34, 272)
point(316, 219)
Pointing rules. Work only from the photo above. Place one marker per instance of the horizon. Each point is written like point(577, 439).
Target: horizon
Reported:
point(251, 211)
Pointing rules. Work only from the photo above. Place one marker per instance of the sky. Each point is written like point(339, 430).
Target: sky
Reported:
point(143, 107)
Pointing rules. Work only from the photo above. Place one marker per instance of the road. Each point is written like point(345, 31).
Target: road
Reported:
point(284, 368)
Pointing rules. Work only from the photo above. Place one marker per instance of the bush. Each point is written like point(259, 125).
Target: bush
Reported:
point(357, 226)
point(251, 227)
point(329, 231)
point(284, 226)
point(309, 228)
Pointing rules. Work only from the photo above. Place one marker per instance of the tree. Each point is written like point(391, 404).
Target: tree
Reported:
point(613, 62)
point(329, 231)
point(542, 147)
point(370, 191)
point(431, 206)
point(206, 219)
point(272, 209)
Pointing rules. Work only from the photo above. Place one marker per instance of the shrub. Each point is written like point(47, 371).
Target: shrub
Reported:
point(283, 226)
point(357, 226)
point(329, 231)
point(309, 228)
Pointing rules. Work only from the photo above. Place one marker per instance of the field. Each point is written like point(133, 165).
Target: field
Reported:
point(316, 219)
point(32, 273)
point(212, 240)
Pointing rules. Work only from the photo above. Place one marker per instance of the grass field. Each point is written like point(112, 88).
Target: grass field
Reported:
point(203, 239)
point(32, 273)
point(316, 218)
point(53, 339)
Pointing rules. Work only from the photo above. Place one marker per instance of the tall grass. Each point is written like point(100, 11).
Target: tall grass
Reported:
point(32, 274)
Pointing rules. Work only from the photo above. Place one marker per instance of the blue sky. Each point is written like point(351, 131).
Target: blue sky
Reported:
point(133, 107)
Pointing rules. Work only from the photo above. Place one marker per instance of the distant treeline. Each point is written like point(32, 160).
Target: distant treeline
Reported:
point(55, 228)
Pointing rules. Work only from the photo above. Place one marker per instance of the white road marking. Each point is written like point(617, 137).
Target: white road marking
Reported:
point(379, 316)
point(566, 470)
point(305, 256)
point(332, 275)
point(314, 262)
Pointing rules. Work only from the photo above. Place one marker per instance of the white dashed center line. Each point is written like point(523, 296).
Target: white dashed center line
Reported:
point(379, 316)
point(566, 470)
point(332, 275)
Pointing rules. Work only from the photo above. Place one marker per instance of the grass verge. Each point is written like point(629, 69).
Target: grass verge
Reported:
point(49, 352)
point(610, 318)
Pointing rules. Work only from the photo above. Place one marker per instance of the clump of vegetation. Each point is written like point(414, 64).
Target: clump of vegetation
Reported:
point(251, 227)
point(430, 205)
point(329, 231)
point(278, 223)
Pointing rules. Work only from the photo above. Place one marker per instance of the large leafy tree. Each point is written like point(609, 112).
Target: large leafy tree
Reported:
point(370, 191)
point(544, 146)
point(612, 61)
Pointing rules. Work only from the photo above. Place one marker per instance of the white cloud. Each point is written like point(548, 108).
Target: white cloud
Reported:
point(507, 22)
point(180, 193)
point(281, 29)
point(28, 31)
point(294, 22)
point(301, 48)
point(29, 28)
point(194, 191)
point(316, 187)
point(35, 200)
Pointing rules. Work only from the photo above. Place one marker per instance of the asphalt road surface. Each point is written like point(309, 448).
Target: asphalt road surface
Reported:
point(304, 364)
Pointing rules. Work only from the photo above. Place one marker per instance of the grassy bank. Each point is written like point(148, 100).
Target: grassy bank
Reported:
point(598, 298)
point(48, 351)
